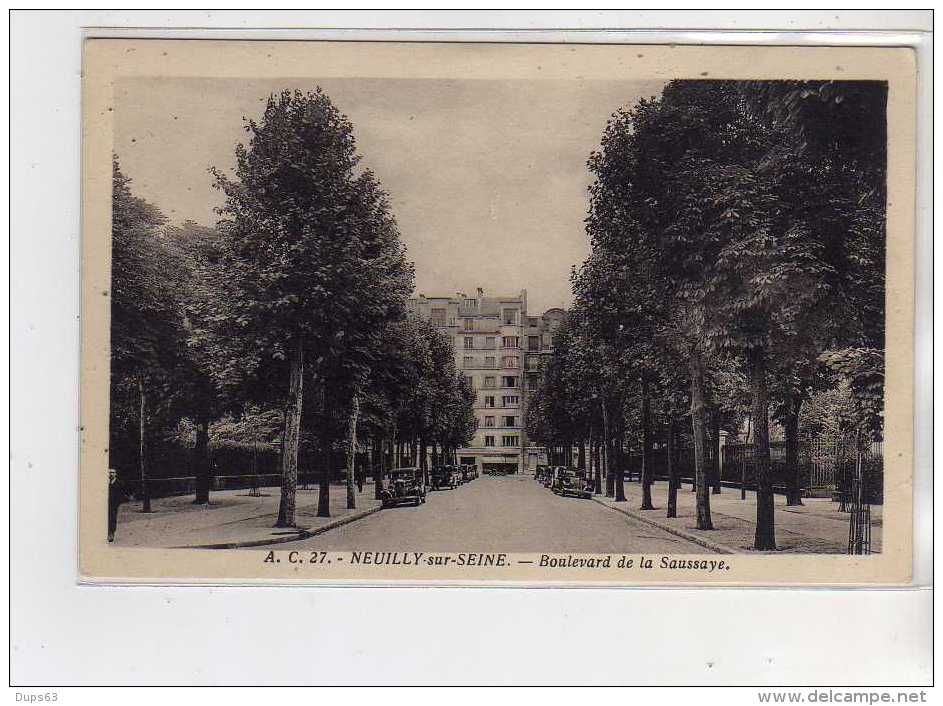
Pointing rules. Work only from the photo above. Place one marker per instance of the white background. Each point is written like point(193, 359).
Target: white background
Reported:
point(64, 634)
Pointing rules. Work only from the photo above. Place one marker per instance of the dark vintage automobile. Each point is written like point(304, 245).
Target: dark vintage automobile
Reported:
point(469, 472)
point(567, 482)
point(406, 485)
point(541, 472)
point(446, 477)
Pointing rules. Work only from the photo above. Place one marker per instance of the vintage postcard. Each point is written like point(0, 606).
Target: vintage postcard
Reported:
point(496, 313)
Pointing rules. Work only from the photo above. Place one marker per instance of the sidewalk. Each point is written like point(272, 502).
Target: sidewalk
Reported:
point(814, 527)
point(234, 518)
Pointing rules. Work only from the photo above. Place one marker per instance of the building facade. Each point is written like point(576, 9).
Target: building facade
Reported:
point(498, 348)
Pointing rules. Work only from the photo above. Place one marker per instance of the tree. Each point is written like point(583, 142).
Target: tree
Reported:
point(569, 402)
point(146, 332)
point(628, 284)
point(315, 253)
point(834, 183)
point(745, 269)
point(202, 288)
point(732, 225)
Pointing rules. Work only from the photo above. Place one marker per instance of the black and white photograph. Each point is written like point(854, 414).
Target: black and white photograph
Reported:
point(597, 324)
point(471, 349)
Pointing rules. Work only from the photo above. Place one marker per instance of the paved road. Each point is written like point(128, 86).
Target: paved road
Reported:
point(509, 514)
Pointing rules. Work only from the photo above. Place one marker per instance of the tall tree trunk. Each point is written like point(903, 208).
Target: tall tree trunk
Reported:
point(376, 463)
point(793, 481)
point(606, 458)
point(765, 539)
point(581, 455)
point(291, 437)
point(370, 459)
point(324, 484)
point(646, 474)
point(674, 481)
point(379, 462)
point(619, 458)
point(697, 427)
point(743, 460)
point(142, 448)
point(201, 461)
point(352, 450)
point(597, 466)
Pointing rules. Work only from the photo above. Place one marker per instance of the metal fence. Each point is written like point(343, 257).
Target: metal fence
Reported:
point(171, 468)
point(826, 466)
point(684, 459)
point(162, 487)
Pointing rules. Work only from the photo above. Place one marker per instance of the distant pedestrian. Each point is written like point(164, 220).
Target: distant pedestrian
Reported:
point(116, 496)
point(361, 476)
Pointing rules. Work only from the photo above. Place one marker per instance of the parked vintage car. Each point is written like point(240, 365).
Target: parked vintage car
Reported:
point(469, 472)
point(541, 473)
point(406, 485)
point(446, 477)
point(567, 482)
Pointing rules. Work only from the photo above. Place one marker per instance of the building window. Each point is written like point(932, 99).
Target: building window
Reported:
point(468, 362)
point(489, 401)
point(489, 383)
point(511, 342)
point(509, 440)
point(489, 441)
point(489, 421)
point(511, 400)
point(489, 361)
point(533, 380)
point(533, 343)
point(468, 324)
point(506, 381)
point(532, 321)
point(510, 361)
point(471, 381)
point(510, 421)
point(489, 342)
point(470, 304)
point(510, 316)
point(469, 342)
point(438, 317)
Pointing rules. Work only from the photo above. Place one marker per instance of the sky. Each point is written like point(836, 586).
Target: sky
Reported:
point(487, 178)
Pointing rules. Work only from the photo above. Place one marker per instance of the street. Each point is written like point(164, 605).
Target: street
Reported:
point(501, 513)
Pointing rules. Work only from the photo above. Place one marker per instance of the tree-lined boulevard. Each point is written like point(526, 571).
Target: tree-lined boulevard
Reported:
point(734, 285)
point(736, 273)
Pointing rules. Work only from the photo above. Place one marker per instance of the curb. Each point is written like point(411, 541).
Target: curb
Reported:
point(302, 533)
point(684, 534)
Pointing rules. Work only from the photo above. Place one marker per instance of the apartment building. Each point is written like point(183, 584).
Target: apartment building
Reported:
point(498, 348)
